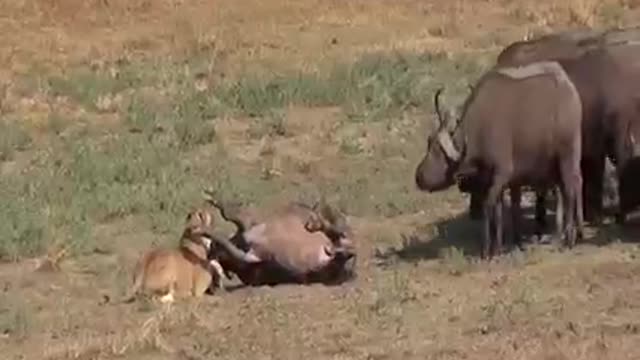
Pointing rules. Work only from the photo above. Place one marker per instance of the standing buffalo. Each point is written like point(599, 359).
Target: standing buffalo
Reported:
point(520, 126)
point(557, 46)
point(294, 244)
point(564, 45)
point(605, 68)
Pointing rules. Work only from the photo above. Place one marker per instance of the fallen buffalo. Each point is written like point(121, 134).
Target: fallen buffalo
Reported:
point(294, 244)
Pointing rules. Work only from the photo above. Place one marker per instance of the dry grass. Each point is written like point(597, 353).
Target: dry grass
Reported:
point(114, 114)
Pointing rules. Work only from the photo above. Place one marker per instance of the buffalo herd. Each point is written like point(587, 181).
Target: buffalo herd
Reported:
point(547, 115)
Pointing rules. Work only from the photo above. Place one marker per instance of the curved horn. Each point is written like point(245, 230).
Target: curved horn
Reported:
point(231, 216)
point(436, 105)
point(448, 147)
point(233, 250)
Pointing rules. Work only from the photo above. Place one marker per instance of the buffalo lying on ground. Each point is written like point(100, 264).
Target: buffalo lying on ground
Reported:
point(605, 68)
point(294, 244)
point(519, 126)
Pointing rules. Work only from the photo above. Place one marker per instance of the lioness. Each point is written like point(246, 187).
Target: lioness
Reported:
point(182, 271)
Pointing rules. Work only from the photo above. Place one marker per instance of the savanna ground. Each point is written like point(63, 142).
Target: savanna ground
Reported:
point(116, 113)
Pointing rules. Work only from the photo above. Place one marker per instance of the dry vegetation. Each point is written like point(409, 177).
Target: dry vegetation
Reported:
point(115, 113)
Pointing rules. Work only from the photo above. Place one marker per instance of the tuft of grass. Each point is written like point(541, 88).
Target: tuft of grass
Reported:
point(23, 227)
point(272, 125)
point(612, 14)
point(454, 260)
point(89, 87)
point(351, 146)
point(13, 138)
point(583, 12)
point(15, 321)
point(512, 306)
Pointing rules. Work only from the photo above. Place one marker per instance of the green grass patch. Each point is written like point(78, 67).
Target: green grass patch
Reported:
point(155, 166)
point(375, 86)
point(13, 138)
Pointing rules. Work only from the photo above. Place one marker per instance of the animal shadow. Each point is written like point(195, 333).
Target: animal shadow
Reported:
point(612, 232)
point(341, 271)
point(459, 232)
point(427, 243)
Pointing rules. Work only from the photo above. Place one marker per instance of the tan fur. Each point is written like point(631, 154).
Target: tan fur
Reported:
point(284, 238)
point(179, 272)
point(301, 240)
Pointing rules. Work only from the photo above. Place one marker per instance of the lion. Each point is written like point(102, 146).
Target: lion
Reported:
point(179, 272)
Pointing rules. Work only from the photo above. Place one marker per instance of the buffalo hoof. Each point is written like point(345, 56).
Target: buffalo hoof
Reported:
point(543, 239)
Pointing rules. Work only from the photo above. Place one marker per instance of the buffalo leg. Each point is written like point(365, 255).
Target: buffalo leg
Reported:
point(476, 202)
point(567, 199)
point(559, 214)
point(493, 216)
point(541, 212)
point(592, 189)
point(475, 206)
point(488, 224)
point(571, 187)
point(473, 186)
point(516, 215)
point(499, 229)
point(579, 208)
point(625, 190)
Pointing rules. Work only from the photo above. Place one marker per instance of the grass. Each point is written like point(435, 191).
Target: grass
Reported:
point(145, 167)
point(13, 138)
point(138, 105)
point(14, 320)
point(376, 85)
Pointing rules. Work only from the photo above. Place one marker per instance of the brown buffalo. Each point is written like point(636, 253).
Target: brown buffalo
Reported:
point(520, 126)
point(293, 244)
point(557, 46)
point(604, 68)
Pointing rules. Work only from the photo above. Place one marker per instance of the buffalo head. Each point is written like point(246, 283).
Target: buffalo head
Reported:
point(435, 171)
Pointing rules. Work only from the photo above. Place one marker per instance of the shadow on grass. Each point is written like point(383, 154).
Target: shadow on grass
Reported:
point(629, 232)
point(464, 236)
point(459, 232)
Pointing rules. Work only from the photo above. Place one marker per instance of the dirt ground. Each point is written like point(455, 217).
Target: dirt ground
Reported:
point(420, 292)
